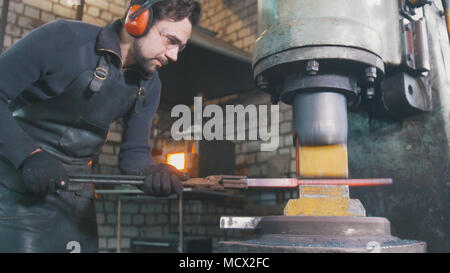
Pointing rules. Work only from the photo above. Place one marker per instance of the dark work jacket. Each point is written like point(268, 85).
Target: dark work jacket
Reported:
point(47, 60)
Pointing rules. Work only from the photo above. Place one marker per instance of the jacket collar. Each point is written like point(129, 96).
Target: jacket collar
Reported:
point(109, 41)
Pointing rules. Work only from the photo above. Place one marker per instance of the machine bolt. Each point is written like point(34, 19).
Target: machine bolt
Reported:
point(312, 67)
point(371, 73)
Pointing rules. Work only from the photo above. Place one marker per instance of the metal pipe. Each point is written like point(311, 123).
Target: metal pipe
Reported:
point(4, 20)
point(422, 56)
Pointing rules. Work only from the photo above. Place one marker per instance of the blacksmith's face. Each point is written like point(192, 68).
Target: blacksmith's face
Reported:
point(161, 45)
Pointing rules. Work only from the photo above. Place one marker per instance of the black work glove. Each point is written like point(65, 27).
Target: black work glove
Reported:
point(43, 173)
point(162, 180)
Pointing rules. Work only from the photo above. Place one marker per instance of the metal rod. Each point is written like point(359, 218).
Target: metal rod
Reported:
point(169, 214)
point(107, 181)
point(119, 224)
point(240, 183)
point(180, 220)
point(294, 182)
point(3, 22)
point(103, 176)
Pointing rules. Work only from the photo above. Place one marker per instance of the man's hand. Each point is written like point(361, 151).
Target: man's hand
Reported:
point(43, 173)
point(162, 180)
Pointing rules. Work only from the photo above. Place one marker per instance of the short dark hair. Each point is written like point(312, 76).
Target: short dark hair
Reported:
point(175, 10)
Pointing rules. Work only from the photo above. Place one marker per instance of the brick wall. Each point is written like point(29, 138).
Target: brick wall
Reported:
point(148, 217)
point(25, 15)
point(233, 20)
point(248, 153)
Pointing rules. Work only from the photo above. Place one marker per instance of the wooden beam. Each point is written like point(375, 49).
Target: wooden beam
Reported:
point(80, 10)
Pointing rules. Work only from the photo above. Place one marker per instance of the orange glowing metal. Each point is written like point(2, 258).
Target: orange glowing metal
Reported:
point(177, 160)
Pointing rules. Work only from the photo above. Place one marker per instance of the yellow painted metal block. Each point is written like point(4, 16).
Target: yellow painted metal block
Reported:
point(317, 207)
point(324, 201)
point(323, 161)
point(324, 192)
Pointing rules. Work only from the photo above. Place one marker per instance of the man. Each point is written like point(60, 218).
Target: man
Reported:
point(61, 86)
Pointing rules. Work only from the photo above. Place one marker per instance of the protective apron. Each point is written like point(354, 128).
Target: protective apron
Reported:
point(71, 126)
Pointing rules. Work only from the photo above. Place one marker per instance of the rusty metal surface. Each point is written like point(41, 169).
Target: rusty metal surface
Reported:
point(326, 225)
point(353, 58)
point(322, 244)
point(313, 234)
point(414, 152)
point(297, 23)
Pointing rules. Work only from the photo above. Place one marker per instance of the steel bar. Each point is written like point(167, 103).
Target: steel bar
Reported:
point(105, 177)
point(119, 225)
point(180, 220)
point(294, 182)
point(230, 182)
point(107, 181)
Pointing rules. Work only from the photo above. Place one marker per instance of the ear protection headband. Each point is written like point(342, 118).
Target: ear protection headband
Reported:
point(139, 17)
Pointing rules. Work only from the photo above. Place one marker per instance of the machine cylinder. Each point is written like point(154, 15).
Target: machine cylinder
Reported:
point(370, 25)
point(344, 38)
point(320, 118)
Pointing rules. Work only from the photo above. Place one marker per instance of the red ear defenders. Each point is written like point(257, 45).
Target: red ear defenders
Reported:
point(139, 17)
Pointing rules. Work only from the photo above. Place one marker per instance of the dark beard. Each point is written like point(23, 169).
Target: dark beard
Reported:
point(141, 61)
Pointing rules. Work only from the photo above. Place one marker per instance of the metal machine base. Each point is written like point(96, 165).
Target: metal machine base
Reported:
point(323, 234)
